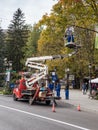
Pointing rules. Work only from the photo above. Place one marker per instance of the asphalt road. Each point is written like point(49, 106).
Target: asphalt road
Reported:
point(19, 115)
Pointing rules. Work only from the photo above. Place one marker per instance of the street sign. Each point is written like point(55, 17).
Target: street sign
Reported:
point(71, 77)
point(8, 76)
point(13, 71)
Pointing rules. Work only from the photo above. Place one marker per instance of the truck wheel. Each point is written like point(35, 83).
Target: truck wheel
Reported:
point(14, 97)
point(48, 102)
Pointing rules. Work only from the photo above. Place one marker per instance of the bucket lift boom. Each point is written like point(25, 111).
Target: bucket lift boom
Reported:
point(35, 63)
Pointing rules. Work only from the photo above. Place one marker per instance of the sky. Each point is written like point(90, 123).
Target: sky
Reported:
point(33, 10)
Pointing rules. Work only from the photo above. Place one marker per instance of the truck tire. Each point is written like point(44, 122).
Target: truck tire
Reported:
point(48, 102)
point(14, 97)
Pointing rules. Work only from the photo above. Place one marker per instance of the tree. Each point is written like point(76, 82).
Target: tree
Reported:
point(2, 49)
point(2, 53)
point(81, 14)
point(31, 48)
point(51, 40)
point(17, 36)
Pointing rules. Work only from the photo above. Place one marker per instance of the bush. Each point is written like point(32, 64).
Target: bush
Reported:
point(7, 90)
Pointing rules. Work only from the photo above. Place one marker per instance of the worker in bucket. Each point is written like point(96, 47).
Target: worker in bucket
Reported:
point(69, 34)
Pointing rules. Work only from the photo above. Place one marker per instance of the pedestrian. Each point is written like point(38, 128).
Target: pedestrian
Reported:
point(58, 88)
point(73, 84)
point(67, 90)
point(84, 89)
point(86, 86)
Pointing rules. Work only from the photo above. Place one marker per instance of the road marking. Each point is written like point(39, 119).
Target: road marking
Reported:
point(36, 115)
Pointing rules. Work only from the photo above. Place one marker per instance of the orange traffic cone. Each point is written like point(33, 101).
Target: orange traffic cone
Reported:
point(78, 108)
point(53, 107)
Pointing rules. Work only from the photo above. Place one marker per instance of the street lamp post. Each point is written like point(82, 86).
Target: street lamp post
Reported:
point(90, 78)
point(67, 84)
point(69, 42)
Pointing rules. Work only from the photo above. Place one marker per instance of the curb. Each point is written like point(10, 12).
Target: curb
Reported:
point(83, 108)
point(5, 95)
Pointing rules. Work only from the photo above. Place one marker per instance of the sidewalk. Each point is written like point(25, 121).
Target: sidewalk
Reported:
point(76, 98)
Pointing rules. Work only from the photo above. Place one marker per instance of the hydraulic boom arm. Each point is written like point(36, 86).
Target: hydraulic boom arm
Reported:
point(35, 63)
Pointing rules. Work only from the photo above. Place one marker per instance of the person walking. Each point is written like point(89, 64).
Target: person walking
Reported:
point(84, 89)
